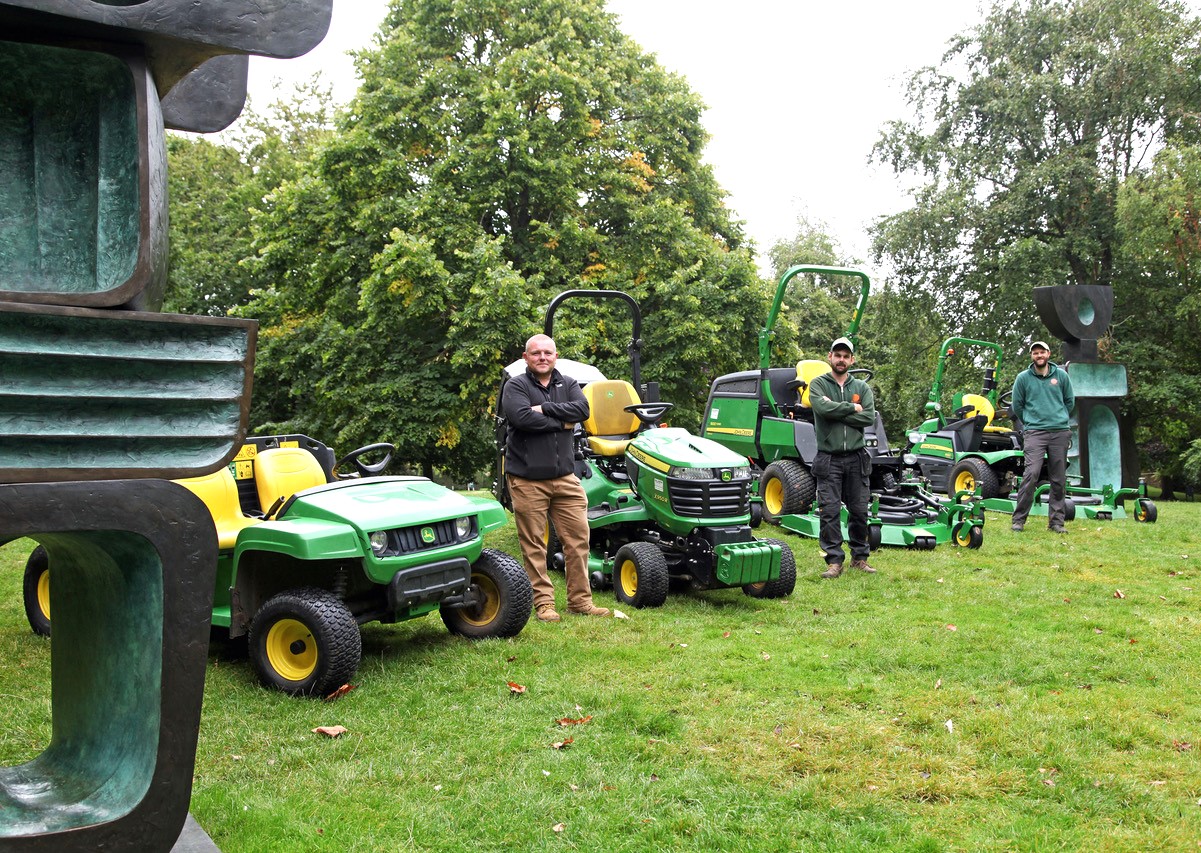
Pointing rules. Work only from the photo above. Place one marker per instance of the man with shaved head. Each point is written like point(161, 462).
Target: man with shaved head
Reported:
point(542, 407)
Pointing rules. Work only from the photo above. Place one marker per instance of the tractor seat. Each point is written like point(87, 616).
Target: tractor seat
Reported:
point(609, 427)
point(280, 472)
point(806, 371)
point(219, 491)
point(979, 405)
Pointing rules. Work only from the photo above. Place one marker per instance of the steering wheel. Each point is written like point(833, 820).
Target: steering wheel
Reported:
point(864, 373)
point(649, 413)
point(1005, 399)
point(365, 469)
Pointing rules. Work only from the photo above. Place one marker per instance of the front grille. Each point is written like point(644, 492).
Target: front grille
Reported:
point(406, 540)
point(708, 498)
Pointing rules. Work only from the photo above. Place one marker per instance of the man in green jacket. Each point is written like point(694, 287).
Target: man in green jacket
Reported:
point(1042, 403)
point(842, 407)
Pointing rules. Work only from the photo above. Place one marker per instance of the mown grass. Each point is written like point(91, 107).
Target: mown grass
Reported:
point(997, 699)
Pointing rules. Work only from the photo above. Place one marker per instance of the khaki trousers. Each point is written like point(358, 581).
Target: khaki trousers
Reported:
point(564, 501)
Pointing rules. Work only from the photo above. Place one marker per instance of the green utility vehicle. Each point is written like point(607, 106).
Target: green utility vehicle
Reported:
point(765, 416)
point(974, 451)
point(663, 504)
point(308, 554)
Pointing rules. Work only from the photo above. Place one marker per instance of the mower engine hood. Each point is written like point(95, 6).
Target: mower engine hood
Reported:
point(670, 447)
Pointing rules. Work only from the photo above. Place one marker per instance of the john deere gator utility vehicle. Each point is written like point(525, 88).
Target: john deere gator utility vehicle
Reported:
point(308, 554)
point(765, 416)
point(664, 505)
point(977, 450)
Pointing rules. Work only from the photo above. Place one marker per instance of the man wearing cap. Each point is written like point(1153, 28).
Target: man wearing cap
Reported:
point(842, 407)
point(1042, 403)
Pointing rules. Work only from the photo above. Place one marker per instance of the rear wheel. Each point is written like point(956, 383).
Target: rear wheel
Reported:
point(786, 488)
point(505, 603)
point(640, 575)
point(36, 590)
point(1144, 510)
point(781, 586)
point(304, 642)
point(970, 473)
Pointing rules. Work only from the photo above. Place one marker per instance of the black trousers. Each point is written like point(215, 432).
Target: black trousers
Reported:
point(843, 479)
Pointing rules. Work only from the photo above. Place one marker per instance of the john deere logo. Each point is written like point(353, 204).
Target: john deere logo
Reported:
point(427, 535)
point(725, 476)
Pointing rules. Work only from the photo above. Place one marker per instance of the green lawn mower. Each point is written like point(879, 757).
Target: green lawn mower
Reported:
point(976, 451)
point(664, 506)
point(764, 415)
point(308, 554)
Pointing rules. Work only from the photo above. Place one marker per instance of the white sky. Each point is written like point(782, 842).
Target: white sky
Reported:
point(797, 93)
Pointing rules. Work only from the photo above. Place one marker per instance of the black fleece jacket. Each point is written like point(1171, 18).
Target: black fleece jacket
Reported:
point(540, 446)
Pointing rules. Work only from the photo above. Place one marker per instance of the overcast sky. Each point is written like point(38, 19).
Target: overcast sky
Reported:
point(797, 93)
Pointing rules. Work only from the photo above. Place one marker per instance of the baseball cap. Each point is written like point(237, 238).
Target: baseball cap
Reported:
point(1042, 344)
point(843, 342)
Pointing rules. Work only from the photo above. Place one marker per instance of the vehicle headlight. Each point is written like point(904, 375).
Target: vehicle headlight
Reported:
point(909, 458)
point(915, 438)
point(463, 527)
point(379, 542)
point(692, 473)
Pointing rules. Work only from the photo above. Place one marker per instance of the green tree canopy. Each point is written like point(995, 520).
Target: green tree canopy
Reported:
point(496, 154)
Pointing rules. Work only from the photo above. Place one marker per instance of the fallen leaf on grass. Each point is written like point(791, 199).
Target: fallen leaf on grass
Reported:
point(1117, 593)
point(515, 688)
point(872, 788)
point(1158, 782)
point(563, 744)
point(766, 656)
point(1085, 686)
point(617, 614)
point(725, 633)
point(938, 684)
point(545, 772)
point(236, 757)
point(569, 721)
point(654, 777)
point(777, 730)
point(1098, 631)
point(330, 731)
point(559, 827)
point(437, 787)
point(510, 660)
point(952, 628)
point(1050, 783)
point(950, 726)
point(1181, 746)
point(573, 786)
point(340, 692)
point(939, 580)
point(1133, 641)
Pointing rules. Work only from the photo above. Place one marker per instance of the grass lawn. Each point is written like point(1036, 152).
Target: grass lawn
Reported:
point(1009, 698)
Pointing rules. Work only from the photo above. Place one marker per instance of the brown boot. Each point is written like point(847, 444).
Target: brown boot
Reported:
point(862, 566)
point(589, 610)
point(547, 613)
point(833, 570)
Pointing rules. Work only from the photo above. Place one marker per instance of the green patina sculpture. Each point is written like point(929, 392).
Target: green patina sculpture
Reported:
point(101, 399)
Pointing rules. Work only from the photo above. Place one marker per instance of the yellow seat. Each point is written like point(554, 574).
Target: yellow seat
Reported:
point(806, 371)
point(979, 405)
point(280, 472)
point(219, 491)
point(609, 427)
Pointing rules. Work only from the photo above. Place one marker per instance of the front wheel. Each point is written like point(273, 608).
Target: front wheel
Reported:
point(506, 599)
point(36, 590)
point(1144, 510)
point(640, 575)
point(968, 535)
point(781, 586)
point(305, 642)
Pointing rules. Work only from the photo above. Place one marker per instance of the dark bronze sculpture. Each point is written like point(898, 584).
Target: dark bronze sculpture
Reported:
point(101, 398)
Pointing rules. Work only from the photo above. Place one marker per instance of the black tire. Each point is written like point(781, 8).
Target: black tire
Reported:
point(786, 488)
point(756, 514)
point(640, 575)
point(1144, 510)
point(36, 589)
point(508, 599)
point(971, 472)
point(1069, 509)
point(554, 548)
point(875, 536)
point(782, 586)
point(305, 642)
point(968, 535)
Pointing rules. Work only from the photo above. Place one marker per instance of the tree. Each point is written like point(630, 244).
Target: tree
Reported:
point(496, 154)
point(214, 186)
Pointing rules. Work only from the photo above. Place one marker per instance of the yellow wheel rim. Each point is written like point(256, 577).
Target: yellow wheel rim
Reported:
point(484, 613)
point(629, 578)
point(773, 496)
point(291, 649)
point(963, 536)
point(44, 593)
point(965, 482)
